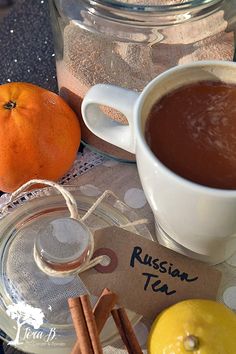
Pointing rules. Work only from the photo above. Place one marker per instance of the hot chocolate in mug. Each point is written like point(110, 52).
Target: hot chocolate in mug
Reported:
point(182, 129)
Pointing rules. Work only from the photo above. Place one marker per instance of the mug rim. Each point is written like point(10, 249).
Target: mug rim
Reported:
point(142, 141)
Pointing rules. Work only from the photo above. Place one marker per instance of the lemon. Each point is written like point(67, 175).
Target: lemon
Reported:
point(194, 327)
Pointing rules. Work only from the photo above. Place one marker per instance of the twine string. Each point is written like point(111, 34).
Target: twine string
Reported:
point(74, 214)
point(70, 200)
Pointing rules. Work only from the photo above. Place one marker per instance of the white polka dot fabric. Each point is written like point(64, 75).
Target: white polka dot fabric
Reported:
point(135, 198)
point(229, 297)
point(123, 180)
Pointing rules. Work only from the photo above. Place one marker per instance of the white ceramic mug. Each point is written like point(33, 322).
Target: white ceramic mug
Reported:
point(192, 219)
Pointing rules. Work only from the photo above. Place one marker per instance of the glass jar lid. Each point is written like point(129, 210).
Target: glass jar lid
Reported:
point(33, 303)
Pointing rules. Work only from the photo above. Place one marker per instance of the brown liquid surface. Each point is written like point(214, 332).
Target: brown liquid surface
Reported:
point(192, 131)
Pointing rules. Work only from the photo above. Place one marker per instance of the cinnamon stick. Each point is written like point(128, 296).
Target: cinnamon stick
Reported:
point(126, 331)
point(120, 328)
point(102, 310)
point(103, 307)
point(91, 324)
point(79, 322)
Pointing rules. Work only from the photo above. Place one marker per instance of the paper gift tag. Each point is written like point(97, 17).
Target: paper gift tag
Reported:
point(146, 276)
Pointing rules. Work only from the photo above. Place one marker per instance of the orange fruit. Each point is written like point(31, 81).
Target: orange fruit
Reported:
point(39, 135)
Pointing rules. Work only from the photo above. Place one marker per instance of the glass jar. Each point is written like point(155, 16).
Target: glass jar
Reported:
point(128, 44)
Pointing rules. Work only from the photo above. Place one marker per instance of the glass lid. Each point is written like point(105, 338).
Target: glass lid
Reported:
point(33, 303)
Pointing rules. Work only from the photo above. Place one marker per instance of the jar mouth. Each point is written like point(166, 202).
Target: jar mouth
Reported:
point(148, 16)
point(186, 5)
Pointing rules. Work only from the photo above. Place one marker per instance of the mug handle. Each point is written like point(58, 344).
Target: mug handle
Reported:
point(113, 132)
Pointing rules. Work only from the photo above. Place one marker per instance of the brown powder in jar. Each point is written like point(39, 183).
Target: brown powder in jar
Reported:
point(94, 59)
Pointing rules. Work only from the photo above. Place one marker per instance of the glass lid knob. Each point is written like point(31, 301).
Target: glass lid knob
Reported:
point(62, 246)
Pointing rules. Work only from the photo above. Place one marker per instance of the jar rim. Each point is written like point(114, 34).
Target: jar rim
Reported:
point(187, 5)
